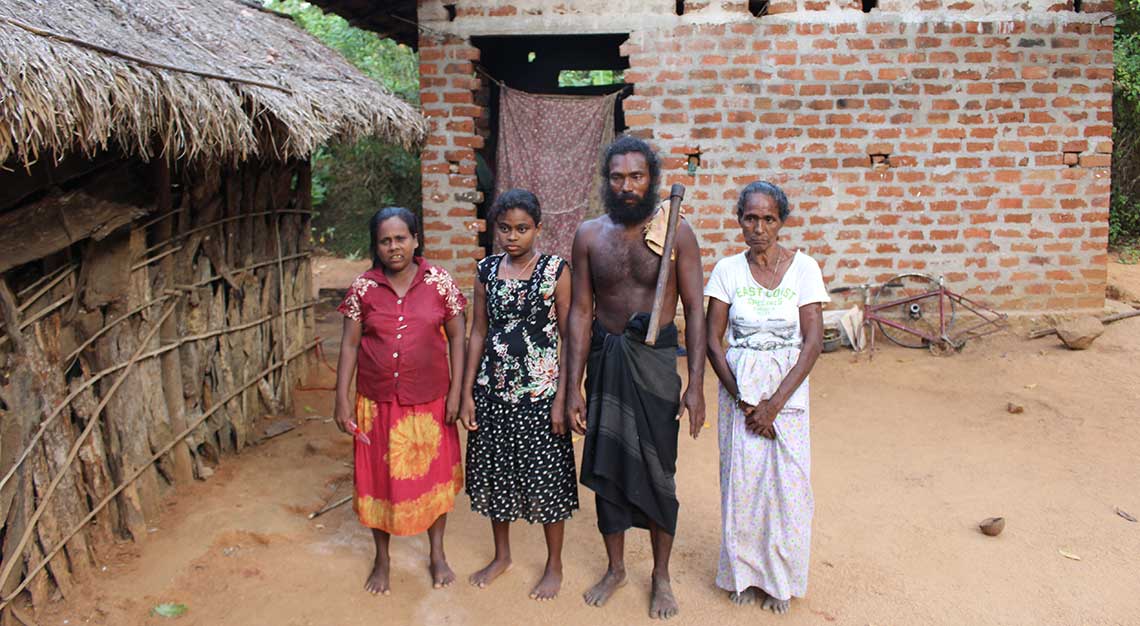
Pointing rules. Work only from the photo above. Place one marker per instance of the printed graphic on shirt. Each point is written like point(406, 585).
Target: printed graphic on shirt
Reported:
point(764, 301)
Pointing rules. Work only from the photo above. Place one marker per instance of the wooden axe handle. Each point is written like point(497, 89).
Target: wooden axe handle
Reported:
point(676, 194)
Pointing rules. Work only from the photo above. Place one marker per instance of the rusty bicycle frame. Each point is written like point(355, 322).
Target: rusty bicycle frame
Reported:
point(943, 339)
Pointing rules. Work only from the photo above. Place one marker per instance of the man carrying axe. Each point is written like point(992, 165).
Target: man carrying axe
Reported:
point(628, 271)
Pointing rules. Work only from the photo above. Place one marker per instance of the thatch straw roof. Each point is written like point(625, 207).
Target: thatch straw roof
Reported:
point(58, 96)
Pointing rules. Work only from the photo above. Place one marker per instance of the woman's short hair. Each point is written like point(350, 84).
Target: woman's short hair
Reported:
point(515, 199)
point(765, 188)
point(384, 215)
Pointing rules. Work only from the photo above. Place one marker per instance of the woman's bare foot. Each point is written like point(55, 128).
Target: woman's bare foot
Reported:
point(777, 606)
point(601, 592)
point(548, 586)
point(488, 574)
point(662, 604)
point(751, 595)
point(377, 583)
point(441, 574)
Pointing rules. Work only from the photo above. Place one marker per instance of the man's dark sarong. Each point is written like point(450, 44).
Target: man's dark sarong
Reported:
point(630, 454)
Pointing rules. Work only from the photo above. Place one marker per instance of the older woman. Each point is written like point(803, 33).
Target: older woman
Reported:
point(769, 299)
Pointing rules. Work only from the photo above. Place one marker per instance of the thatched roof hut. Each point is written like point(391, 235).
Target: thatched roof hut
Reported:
point(84, 74)
point(156, 297)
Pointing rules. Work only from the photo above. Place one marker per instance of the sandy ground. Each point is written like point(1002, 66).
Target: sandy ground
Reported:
point(910, 452)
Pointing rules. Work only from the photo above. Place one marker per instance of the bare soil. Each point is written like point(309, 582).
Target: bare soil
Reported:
point(911, 451)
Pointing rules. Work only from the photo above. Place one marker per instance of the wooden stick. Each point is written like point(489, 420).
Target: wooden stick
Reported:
point(11, 317)
point(139, 470)
point(39, 315)
point(157, 257)
point(46, 288)
point(109, 325)
point(1045, 332)
point(43, 32)
point(676, 194)
point(45, 498)
point(283, 391)
point(203, 283)
point(330, 506)
point(46, 277)
point(224, 220)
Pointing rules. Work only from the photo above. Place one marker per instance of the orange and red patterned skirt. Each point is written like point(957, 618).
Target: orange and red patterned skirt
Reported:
point(409, 472)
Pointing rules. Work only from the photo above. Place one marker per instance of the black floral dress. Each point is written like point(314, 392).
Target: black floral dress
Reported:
point(516, 466)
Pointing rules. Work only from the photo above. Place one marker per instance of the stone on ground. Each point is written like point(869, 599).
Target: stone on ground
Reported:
point(1078, 334)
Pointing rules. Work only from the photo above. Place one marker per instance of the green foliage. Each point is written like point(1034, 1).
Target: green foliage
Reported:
point(1123, 221)
point(392, 64)
point(351, 181)
point(586, 78)
point(1124, 214)
point(363, 177)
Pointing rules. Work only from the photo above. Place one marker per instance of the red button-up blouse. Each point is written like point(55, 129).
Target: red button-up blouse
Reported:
point(403, 349)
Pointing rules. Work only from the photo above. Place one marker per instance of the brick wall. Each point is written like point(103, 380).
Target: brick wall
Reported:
point(928, 135)
point(447, 92)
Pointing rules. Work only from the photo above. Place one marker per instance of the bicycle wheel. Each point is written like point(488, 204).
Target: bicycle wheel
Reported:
point(900, 301)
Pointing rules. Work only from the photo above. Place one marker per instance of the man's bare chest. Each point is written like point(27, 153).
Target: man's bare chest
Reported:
point(619, 260)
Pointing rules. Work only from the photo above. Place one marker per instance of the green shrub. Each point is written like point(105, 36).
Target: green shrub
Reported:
point(351, 181)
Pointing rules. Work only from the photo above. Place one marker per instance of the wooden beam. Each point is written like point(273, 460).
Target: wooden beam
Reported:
point(55, 222)
point(18, 183)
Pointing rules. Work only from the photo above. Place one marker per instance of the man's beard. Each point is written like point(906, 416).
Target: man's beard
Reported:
point(627, 214)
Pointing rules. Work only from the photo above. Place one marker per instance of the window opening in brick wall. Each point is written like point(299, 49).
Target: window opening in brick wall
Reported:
point(543, 64)
point(679, 7)
point(758, 8)
point(450, 8)
point(1076, 6)
point(585, 78)
point(870, 4)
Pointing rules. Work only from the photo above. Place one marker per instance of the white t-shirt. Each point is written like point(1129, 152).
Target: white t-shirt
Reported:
point(766, 319)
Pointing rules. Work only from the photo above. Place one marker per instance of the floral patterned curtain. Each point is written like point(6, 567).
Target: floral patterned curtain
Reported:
point(552, 145)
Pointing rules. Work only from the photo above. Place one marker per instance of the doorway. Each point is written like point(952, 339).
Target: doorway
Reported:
point(564, 65)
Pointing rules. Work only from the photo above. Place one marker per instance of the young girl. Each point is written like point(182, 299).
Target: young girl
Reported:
point(407, 469)
point(520, 461)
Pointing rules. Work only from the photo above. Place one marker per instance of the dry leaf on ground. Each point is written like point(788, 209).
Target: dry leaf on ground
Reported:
point(1069, 555)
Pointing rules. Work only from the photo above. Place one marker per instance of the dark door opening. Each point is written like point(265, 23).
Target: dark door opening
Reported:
point(572, 65)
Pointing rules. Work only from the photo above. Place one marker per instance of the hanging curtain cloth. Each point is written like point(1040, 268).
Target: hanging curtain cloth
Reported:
point(551, 145)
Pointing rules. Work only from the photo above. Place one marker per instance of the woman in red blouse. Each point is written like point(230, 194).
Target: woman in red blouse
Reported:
point(403, 334)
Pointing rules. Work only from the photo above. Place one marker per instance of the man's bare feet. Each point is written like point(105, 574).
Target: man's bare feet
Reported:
point(377, 582)
point(601, 592)
point(548, 586)
point(488, 574)
point(777, 606)
point(751, 595)
point(441, 574)
point(662, 604)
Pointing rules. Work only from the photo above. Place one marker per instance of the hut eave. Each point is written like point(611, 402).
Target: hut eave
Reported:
point(219, 79)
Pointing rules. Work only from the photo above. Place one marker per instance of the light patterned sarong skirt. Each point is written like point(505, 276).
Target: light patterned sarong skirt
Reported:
point(766, 496)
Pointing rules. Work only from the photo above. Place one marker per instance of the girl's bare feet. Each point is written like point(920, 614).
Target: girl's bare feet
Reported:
point(441, 574)
point(548, 586)
point(487, 575)
point(377, 583)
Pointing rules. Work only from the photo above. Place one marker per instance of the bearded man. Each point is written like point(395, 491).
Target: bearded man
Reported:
point(631, 420)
